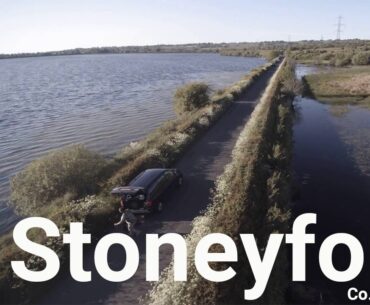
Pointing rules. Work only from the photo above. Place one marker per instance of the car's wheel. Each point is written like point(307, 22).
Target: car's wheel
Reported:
point(180, 181)
point(159, 207)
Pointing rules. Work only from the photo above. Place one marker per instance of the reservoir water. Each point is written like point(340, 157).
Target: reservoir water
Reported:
point(102, 101)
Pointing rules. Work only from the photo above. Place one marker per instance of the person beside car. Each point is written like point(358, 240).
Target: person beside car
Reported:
point(129, 218)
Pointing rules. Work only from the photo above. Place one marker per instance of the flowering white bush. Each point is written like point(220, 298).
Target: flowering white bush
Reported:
point(85, 205)
point(180, 138)
point(153, 152)
point(135, 145)
point(204, 121)
point(209, 111)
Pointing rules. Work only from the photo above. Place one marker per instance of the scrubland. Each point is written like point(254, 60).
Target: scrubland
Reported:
point(337, 56)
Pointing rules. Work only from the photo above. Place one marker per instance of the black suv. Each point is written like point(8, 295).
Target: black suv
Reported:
point(144, 194)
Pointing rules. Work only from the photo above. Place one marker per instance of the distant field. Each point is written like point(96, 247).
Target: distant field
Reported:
point(334, 55)
point(341, 85)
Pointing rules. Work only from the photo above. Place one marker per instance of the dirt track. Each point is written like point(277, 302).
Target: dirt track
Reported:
point(201, 165)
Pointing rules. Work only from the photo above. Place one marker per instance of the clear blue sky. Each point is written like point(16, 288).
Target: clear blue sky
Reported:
point(41, 25)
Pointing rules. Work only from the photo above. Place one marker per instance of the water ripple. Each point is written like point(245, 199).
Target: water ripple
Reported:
point(103, 101)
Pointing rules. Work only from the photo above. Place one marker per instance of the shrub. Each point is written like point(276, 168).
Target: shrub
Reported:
point(361, 58)
point(342, 59)
point(272, 54)
point(326, 56)
point(191, 97)
point(72, 171)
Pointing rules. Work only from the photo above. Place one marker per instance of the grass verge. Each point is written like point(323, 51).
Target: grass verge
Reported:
point(161, 148)
point(251, 196)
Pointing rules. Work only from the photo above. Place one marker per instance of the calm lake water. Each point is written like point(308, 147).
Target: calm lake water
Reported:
point(103, 101)
point(332, 167)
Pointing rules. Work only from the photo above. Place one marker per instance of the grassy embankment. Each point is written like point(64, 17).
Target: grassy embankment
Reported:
point(340, 86)
point(251, 196)
point(267, 53)
point(51, 194)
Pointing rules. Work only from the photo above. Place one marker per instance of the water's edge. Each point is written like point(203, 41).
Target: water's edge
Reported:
point(102, 101)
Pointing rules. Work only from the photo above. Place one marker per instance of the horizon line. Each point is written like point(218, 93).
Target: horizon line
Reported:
point(180, 44)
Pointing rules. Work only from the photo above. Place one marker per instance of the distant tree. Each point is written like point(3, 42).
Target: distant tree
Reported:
point(273, 54)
